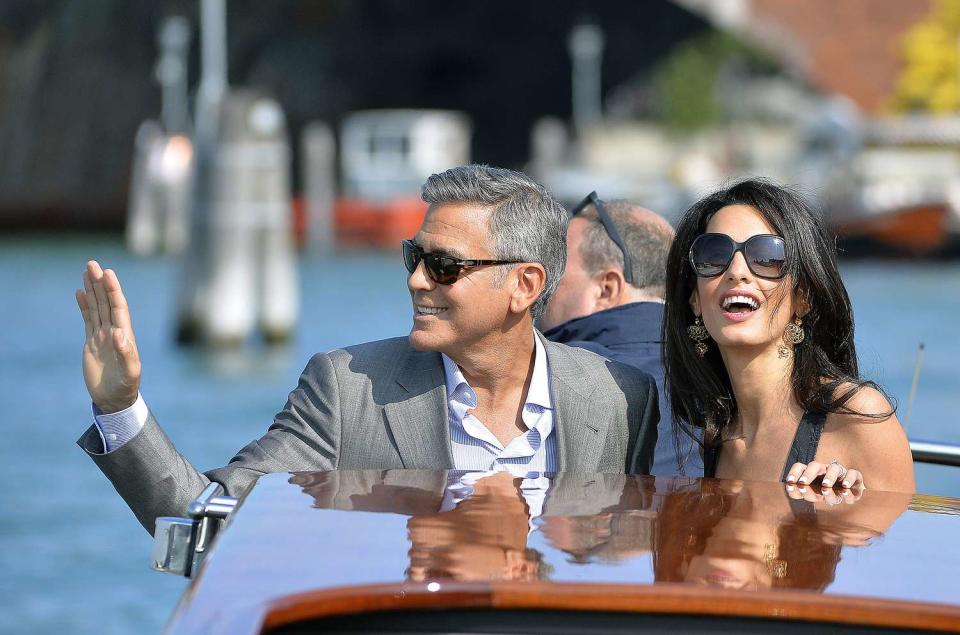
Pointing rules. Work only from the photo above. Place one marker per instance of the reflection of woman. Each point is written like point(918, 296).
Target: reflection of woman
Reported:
point(740, 535)
point(759, 349)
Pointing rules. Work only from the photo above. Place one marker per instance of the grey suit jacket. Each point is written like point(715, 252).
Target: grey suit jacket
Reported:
point(383, 405)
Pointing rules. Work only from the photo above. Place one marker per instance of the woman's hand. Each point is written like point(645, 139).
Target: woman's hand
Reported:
point(833, 473)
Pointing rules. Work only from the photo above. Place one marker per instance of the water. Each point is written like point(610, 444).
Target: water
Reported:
point(73, 557)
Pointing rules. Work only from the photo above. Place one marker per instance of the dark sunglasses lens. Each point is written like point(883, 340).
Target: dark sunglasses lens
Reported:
point(710, 254)
point(766, 255)
point(442, 269)
point(411, 256)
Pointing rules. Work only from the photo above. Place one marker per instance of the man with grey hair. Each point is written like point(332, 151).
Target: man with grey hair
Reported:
point(473, 386)
point(610, 300)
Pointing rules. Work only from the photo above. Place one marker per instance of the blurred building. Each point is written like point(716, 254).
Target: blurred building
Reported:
point(850, 48)
point(76, 78)
point(687, 93)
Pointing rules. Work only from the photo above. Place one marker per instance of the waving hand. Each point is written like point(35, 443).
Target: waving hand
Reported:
point(111, 364)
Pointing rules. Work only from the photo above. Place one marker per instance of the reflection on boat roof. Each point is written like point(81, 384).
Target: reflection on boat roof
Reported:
point(317, 544)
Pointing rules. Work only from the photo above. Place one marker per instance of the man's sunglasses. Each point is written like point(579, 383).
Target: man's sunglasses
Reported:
point(611, 229)
point(765, 254)
point(441, 268)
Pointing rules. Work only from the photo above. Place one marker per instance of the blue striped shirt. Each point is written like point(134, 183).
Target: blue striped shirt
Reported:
point(476, 448)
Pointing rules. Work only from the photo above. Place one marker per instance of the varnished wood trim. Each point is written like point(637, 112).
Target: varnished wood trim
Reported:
point(655, 599)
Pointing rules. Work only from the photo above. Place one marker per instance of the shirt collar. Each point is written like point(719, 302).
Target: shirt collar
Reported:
point(538, 393)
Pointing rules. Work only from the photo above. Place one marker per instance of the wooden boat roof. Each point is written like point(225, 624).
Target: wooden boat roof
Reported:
point(312, 548)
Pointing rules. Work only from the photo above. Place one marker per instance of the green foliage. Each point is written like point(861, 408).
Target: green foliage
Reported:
point(686, 80)
point(930, 79)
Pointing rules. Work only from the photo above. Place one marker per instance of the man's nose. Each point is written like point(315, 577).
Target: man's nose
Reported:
point(419, 280)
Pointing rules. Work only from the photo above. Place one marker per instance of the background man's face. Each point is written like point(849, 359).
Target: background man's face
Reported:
point(577, 292)
point(447, 318)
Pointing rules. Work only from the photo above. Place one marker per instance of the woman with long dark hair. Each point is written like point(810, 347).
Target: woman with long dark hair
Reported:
point(759, 352)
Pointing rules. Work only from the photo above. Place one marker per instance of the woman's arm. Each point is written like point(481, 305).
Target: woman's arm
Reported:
point(873, 443)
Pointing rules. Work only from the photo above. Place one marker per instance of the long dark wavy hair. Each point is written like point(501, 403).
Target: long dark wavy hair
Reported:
point(824, 376)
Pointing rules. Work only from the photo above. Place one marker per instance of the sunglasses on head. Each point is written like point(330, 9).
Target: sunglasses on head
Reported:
point(611, 229)
point(441, 268)
point(765, 255)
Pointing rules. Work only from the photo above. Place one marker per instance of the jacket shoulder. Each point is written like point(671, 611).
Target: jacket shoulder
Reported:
point(369, 352)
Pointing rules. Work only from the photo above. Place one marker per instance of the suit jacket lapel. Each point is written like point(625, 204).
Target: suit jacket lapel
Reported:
point(417, 412)
point(580, 428)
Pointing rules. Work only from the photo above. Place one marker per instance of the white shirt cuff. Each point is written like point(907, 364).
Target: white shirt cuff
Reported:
point(117, 428)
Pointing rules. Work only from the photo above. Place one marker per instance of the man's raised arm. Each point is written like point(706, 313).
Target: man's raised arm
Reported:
point(111, 364)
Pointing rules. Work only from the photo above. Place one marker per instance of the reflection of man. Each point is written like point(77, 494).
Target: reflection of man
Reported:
point(473, 386)
point(464, 525)
point(610, 299)
point(604, 517)
point(479, 533)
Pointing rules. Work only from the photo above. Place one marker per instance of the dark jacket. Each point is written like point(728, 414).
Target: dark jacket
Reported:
point(631, 334)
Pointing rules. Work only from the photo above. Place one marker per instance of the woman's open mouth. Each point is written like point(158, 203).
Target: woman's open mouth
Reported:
point(739, 307)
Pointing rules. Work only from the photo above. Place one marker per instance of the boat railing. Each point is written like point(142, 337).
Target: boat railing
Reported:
point(180, 544)
point(936, 452)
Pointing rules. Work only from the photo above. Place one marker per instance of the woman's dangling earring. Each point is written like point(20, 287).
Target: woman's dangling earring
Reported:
point(776, 566)
point(698, 333)
point(793, 335)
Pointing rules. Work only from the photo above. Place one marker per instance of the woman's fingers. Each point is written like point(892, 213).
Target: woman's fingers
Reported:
point(851, 496)
point(834, 472)
point(853, 479)
point(831, 496)
point(813, 471)
point(795, 471)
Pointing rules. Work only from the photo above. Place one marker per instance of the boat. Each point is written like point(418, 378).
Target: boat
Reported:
point(900, 192)
point(458, 552)
point(386, 155)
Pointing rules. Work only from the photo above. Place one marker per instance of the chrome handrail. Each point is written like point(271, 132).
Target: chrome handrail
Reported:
point(180, 544)
point(936, 452)
point(210, 503)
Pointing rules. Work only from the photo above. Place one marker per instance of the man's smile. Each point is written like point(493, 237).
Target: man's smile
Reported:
point(423, 310)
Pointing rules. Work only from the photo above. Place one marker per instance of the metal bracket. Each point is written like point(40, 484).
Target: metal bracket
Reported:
point(179, 544)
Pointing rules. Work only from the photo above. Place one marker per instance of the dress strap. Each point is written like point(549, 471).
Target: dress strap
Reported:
point(711, 456)
point(806, 441)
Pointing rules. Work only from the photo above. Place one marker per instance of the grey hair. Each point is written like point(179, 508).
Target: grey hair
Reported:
point(527, 223)
point(647, 236)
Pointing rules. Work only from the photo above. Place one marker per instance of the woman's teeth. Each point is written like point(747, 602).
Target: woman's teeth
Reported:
point(744, 302)
point(429, 310)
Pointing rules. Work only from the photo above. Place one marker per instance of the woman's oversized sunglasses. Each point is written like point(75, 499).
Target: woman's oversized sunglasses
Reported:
point(441, 268)
point(765, 255)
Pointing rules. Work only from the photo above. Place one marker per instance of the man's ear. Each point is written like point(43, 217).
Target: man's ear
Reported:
point(695, 303)
point(612, 286)
point(529, 280)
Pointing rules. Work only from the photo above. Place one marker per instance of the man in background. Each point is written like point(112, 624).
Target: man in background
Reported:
point(610, 301)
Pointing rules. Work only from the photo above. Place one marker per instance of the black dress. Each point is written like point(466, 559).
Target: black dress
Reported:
point(804, 448)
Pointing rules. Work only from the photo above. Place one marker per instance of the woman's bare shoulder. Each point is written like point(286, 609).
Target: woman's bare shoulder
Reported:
point(865, 405)
point(869, 435)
